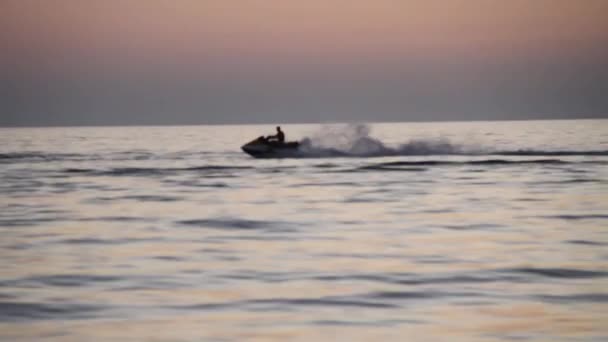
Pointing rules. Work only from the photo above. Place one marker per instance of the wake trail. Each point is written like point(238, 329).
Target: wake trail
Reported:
point(356, 141)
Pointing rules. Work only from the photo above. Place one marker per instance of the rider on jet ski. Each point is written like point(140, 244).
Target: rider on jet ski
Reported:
point(279, 137)
point(272, 146)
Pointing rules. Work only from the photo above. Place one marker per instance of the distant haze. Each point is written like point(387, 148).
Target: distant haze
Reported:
point(86, 62)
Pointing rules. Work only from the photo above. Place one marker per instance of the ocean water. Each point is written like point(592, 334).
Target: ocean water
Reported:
point(472, 231)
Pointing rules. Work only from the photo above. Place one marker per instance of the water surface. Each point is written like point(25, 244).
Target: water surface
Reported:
point(487, 231)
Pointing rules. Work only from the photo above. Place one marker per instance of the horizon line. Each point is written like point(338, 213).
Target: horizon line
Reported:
point(292, 123)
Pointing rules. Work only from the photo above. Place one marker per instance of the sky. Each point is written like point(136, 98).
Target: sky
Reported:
point(129, 62)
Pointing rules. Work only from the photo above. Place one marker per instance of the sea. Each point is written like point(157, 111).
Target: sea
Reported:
point(444, 231)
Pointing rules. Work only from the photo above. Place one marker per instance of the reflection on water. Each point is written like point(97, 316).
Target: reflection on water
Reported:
point(173, 234)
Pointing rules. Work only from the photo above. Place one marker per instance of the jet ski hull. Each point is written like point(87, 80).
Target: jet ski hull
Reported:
point(262, 148)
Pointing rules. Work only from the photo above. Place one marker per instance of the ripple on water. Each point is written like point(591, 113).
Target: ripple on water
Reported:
point(25, 222)
point(115, 218)
point(577, 217)
point(376, 323)
point(64, 280)
point(575, 298)
point(12, 311)
point(418, 279)
point(152, 198)
point(563, 273)
point(288, 304)
point(586, 242)
point(371, 300)
point(486, 276)
point(479, 226)
point(225, 223)
point(98, 241)
point(151, 171)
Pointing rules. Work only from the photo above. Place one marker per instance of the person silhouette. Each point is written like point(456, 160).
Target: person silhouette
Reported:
point(279, 137)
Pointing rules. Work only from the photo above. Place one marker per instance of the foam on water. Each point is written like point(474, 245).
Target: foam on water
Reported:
point(356, 140)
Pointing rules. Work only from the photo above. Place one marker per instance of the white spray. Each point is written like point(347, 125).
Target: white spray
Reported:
point(354, 140)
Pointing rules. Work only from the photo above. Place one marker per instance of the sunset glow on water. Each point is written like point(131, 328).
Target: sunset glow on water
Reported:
point(471, 231)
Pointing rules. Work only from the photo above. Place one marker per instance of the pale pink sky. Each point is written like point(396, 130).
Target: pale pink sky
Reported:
point(199, 61)
point(253, 32)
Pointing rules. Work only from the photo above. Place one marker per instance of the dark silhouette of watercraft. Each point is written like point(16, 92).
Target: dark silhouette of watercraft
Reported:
point(262, 147)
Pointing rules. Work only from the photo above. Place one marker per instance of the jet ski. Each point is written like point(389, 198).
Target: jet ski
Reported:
point(262, 147)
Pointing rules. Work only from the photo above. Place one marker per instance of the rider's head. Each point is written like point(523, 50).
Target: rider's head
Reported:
point(278, 128)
